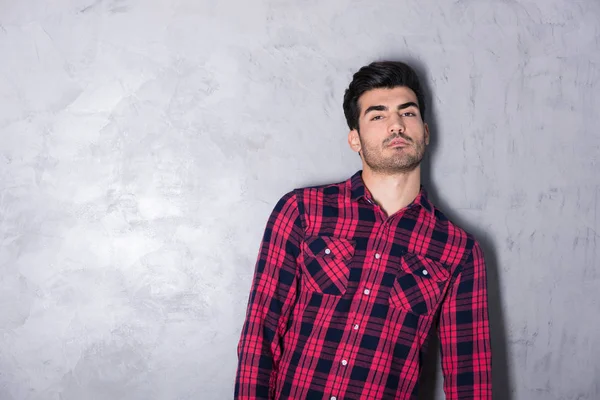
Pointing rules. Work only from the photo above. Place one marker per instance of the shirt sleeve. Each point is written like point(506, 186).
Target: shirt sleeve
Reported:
point(272, 296)
point(465, 335)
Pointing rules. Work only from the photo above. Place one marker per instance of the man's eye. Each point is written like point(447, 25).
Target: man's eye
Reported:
point(376, 117)
point(409, 114)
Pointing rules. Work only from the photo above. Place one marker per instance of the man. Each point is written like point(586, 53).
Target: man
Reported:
point(352, 277)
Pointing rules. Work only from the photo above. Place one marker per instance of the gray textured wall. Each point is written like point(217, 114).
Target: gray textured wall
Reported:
point(144, 143)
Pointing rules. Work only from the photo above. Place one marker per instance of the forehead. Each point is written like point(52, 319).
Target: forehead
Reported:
point(390, 97)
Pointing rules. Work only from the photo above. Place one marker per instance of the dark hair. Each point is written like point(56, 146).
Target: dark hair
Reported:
point(381, 74)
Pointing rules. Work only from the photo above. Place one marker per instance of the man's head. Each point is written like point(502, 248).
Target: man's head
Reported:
point(385, 111)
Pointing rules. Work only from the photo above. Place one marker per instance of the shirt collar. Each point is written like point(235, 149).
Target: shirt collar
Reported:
point(359, 190)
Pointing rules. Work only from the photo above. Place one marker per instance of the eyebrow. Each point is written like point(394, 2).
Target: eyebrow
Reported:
point(384, 108)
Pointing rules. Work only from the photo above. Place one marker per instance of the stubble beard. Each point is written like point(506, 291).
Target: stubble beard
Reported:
point(401, 160)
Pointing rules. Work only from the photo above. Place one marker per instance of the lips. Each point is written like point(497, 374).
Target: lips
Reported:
point(398, 143)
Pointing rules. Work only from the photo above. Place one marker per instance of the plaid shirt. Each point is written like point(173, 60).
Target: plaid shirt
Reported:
point(344, 298)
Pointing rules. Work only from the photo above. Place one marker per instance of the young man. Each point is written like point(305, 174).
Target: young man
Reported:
point(352, 277)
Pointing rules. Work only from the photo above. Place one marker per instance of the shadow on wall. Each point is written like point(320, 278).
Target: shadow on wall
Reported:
point(500, 373)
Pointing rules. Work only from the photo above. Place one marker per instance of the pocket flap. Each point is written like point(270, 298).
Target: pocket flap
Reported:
point(424, 267)
point(327, 246)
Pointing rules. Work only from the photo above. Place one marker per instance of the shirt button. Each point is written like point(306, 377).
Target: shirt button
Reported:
point(356, 327)
point(425, 272)
point(344, 363)
point(367, 291)
point(327, 251)
point(333, 398)
point(378, 256)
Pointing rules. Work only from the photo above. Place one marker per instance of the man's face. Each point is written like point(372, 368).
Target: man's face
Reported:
point(392, 136)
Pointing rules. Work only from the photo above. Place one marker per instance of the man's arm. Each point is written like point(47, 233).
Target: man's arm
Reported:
point(465, 334)
point(272, 297)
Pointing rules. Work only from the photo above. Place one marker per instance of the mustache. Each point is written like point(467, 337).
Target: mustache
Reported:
point(398, 136)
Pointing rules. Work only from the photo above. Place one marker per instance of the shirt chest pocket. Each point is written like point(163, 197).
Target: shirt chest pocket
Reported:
point(325, 264)
point(419, 284)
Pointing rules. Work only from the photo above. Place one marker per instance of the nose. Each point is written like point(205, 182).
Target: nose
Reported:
point(396, 124)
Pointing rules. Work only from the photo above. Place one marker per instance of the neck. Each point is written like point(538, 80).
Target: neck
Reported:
point(393, 192)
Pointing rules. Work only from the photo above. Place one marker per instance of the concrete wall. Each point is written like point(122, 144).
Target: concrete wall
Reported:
point(143, 144)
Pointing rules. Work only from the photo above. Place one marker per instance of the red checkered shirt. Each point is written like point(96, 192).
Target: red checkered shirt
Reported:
point(344, 298)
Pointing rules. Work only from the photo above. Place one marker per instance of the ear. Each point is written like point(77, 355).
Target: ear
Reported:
point(427, 135)
point(354, 140)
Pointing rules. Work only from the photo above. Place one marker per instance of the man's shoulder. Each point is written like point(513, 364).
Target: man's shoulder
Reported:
point(454, 231)
point(314, 194)
point(323, 190)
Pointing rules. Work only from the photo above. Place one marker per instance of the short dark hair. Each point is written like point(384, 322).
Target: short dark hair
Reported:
point(380, 74)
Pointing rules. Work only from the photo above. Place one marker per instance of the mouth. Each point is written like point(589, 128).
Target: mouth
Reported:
point(398, 143)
